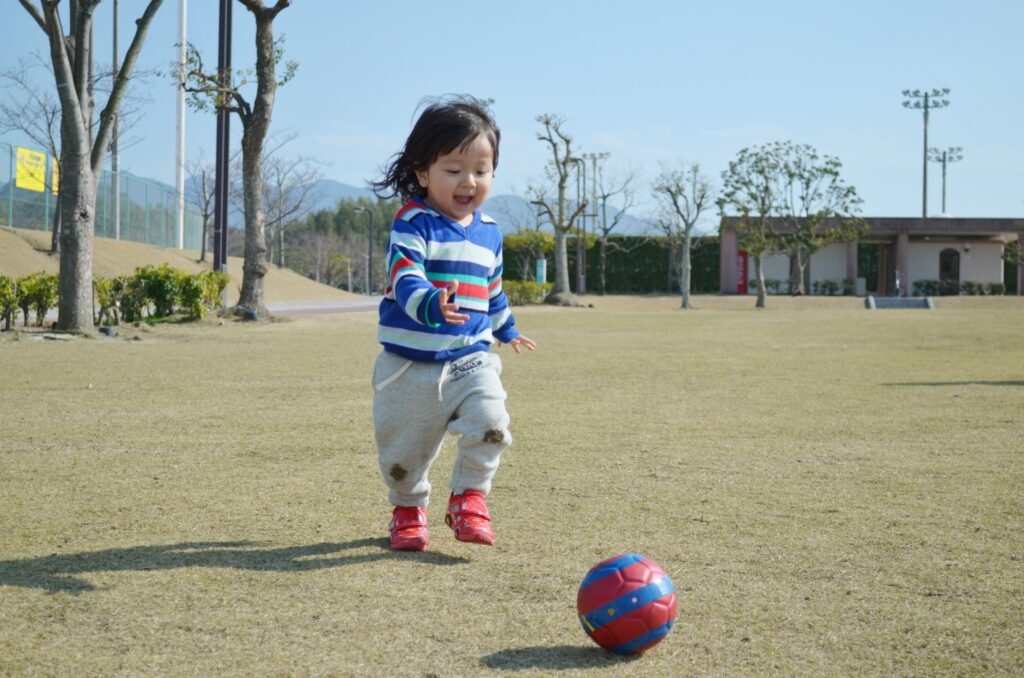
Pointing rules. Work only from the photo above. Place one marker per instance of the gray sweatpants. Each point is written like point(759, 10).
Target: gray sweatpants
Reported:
point(416, 403)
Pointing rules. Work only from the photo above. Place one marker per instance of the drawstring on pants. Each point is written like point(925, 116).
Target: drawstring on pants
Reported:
point(441, 379)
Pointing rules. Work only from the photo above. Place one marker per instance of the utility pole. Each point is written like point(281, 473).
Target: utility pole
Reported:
point(581, 197)
point(220, 209)
point(369, 249)
point(115, 163)
point(925, 101)
point(180, 164)
point(951, 154)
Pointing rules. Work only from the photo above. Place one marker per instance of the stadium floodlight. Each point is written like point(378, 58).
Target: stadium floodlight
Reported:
point(925, 101)
point(949, 155)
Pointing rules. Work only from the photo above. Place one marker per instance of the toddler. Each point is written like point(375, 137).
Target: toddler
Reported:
point(442, 309)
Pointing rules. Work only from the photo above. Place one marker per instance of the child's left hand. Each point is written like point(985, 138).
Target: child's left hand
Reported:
point(519, 342)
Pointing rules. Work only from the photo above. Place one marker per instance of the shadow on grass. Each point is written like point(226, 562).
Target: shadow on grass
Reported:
point(56, 573)
point(957, 383)
point(554, 658)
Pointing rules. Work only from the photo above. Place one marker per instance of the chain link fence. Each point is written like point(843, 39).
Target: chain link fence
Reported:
point(148, 210)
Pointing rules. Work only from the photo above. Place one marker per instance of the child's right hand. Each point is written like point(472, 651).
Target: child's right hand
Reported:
point(450, 311)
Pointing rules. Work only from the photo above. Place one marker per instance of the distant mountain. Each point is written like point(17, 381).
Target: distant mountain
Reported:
point(328, 192)
point(513, 212)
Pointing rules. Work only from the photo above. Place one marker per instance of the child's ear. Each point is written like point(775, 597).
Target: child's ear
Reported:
point(421, 176)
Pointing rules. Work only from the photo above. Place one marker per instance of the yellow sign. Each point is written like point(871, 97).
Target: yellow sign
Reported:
point(56, 176)
point(31, 170)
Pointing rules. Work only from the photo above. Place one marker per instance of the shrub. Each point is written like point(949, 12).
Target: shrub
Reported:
point(190, 295)
point(927, 288)
point(848, 287)
point(130, 293)
point(830, 287)
point(214, 283)
point(949, 287)
point(8, 300)
point(161, 286)
point(23, 294)
point(38, 292)
point(996, 289)
point(521, 293)
point(106, 299)
point(972, 288)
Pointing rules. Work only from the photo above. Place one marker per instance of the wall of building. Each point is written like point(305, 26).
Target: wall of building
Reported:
point(979, 261)
point(829, 263)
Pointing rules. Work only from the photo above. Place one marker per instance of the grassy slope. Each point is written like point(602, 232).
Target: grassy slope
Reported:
point(24, 251)
point(834, 491)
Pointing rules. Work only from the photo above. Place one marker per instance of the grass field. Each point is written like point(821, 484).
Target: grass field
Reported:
point(834, 491)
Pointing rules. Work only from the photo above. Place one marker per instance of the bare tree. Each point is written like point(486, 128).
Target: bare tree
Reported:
point(558, 171)
point(32, 109)
point(686, 194)
point(208, 91)
point(201, 176)
point(289, 191)
point(608, 189)
point(82, 154)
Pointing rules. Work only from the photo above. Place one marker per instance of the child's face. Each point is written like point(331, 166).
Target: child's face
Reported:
point(457, 183)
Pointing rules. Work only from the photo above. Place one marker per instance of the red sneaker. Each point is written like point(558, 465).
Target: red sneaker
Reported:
point(408, 528)
point(467, 515)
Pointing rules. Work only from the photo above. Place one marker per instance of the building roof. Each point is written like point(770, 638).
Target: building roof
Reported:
point(973, 227)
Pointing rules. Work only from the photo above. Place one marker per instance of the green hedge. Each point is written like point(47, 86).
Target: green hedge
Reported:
point(154, 292)
point(634, 264)
point(522, 293)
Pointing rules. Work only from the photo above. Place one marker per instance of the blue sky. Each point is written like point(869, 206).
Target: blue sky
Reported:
point(650, 82)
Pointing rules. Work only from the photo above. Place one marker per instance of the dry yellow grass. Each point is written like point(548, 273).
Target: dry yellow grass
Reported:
point(24, 251)
point(834, 491)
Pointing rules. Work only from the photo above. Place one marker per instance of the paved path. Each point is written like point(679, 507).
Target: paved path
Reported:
point(348, 305)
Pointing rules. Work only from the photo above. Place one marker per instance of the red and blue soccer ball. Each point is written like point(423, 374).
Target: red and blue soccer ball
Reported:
point(627, 603)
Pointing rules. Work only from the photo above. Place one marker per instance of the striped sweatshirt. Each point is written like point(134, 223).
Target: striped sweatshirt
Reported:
point(426, 252)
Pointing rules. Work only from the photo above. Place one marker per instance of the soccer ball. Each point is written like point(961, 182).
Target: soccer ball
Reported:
point(627, 603)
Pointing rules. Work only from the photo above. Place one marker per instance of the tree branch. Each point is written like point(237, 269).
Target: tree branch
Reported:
point(117, 91)
point(33, 11)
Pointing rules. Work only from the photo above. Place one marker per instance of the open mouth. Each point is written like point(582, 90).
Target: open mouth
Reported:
point(463, 200)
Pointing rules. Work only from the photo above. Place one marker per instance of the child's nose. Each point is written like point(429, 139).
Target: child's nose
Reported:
point(468, 179)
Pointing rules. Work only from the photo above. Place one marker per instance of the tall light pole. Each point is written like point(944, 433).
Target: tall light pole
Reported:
point(115, 161)
point(581, 196)
point(951, 154)
point(925, 101)
point(179, 170)
point(594, 158)
point(369, 250)
point(222, 157)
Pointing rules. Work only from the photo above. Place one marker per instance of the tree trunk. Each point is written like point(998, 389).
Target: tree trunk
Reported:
point(561, 286)
point(55, 230)
point(78, 208)
point(759, 272)
point(255, 267)
point(280, 245)
point(206, 235)
point(602, 266)
point(684, 278)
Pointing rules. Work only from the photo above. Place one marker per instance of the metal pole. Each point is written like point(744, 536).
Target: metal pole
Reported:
point(924, 197)
point(369, 265)
point(180, 165)
point(10, 188)
point(220, 210)
point(369, 249)
point(115, 160)
point(944, 182)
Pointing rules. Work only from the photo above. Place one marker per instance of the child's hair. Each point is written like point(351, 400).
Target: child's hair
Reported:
point(446, 124)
